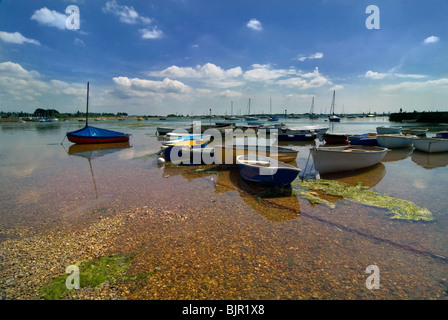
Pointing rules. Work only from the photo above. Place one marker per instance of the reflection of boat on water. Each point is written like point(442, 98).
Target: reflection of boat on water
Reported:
point(91, 151)
point(429, 160)
point(368, 177)
point(397, 154)
point(275, 203)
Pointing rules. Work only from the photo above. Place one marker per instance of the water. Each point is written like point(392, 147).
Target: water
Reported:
point(301, 250)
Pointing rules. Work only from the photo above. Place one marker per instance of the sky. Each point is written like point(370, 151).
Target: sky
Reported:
point(188, 57)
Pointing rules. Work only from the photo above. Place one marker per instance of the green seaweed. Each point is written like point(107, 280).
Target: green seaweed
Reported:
point(93, 274)
point(398, 208)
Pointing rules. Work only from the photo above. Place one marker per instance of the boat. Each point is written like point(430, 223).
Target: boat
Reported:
point(366, 139)
point(421, 132)
point(185, 154)
point(273, 118)
point(394, 141)
point(296, 137)
point(164, 130)
point(90, 135)
point(431, 145)
point(174, 136)
point(312, 115)
point(346, 158)
point(227, 153)
point(187, 142)
point(388, 130)
point(442, 134)
point(266, 170)
point(333, 117)
point(336, 138)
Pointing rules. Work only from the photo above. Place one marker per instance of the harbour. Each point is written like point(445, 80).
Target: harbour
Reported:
point(204, 232)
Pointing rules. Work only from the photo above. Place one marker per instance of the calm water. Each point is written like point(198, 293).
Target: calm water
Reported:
point(44, 183)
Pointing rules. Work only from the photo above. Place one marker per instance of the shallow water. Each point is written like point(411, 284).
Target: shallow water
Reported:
point(255, 244)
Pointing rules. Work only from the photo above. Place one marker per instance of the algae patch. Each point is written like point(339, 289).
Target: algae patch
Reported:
point(316, 191)
point(93, 274)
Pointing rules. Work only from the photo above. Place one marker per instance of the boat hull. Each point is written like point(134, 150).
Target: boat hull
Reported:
point(93, 135)
point(394, 141)
point(346, 158)
point(363, 140)
point(388, 130)
point(297, 137)
point(431, 145)
point(266, 170)
point(227, 154)
point(335, 138)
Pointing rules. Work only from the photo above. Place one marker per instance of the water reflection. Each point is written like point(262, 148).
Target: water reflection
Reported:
point(369, 177)
point(430, 160)
point(397, 154)
point(272, 202)
point(92, 151)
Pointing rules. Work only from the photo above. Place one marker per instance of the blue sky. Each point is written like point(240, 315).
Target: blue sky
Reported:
point(190, 56)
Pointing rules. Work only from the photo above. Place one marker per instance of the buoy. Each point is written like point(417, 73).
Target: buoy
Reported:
point(160, 160)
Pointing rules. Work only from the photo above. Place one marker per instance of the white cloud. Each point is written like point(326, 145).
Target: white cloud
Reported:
point(254, 24)
point(377, 75)
point(264, 72)
point(306, 81)
point(16, 37)
point(317, 55)
point(151, 86)
point(431, 39)
point(414, 85)
point(153, 33)
point(209, 73)
point(49, 18)
point(124, 13)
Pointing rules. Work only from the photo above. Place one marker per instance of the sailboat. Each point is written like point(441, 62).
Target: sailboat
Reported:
point(312, 114)
point(89, 134)
point(333, 117)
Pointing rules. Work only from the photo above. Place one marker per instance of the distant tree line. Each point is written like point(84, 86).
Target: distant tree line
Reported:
point(53, 113)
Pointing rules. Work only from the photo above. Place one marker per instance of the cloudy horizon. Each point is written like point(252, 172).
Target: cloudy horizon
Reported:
point(188, 57)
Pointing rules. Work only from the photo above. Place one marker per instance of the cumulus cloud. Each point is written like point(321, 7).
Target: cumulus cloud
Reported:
point(153, 33)
point(254, 24)
point(151, 86)
point(431, 39)
point(264, 72)
point(124, 13)
point(306, 81)
point(209, 73)
point(415, 85)
point(317, 55)
point(51, 18)
point(378, 75)
point(16, 37)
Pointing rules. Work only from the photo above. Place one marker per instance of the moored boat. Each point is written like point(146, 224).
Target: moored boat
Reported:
point(266, 170)
point(346, 158)
point(296, 137)
point(227, 154)
point(367, 139)
point(336, 138)
point(388, 130)
point(94, 135)
point(442, 134)
point(431, 145)
point(394, 141)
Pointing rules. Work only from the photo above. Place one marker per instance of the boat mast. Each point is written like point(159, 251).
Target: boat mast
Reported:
point(332, 103)
point(87, 106)
point(312, 106)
